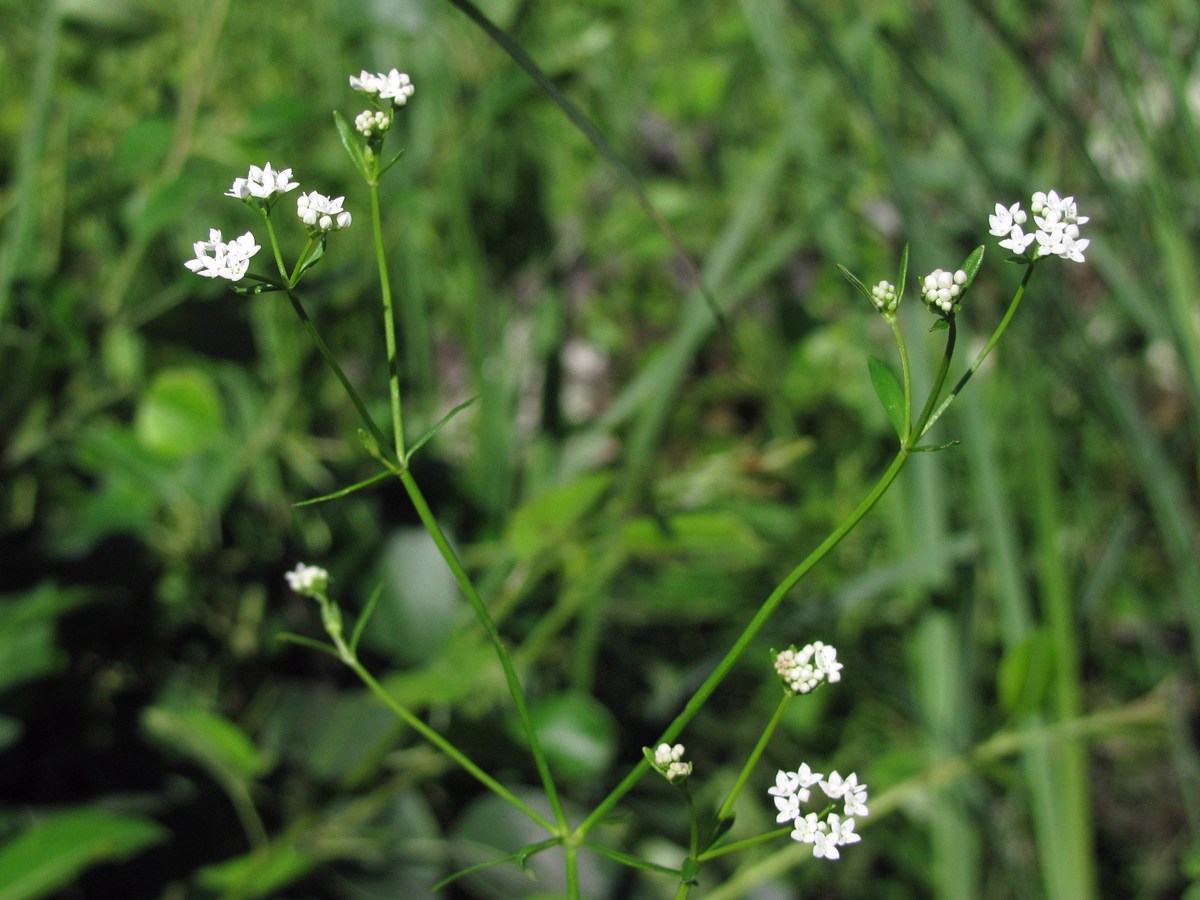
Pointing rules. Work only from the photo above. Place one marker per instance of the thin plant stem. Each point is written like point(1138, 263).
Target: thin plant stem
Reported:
point(924, 426)
point(906, 377)
point(755, 755)
point(938, 380)
point(756, 624)
point(389, 321)
point(510, 673)
point(330, 361)
point(414, 722)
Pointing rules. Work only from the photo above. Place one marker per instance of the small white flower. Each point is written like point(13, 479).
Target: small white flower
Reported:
point(1006, 219)
point(788, 807)
point(321, 213)
point(806, 829)
point(806, 778)
point(825, 843)
point(843, 831)
point(262, 183)
point(786, 784)
point(677, 771)
point(216, 258)
point(855, 802)
point(396, 86)
point(835, 787)
point(308, 581)
point(365, 82)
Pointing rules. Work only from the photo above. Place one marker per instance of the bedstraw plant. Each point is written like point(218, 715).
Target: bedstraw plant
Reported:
point(825, 812)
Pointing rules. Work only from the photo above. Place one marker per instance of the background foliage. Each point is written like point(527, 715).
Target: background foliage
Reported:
point(1020, 619)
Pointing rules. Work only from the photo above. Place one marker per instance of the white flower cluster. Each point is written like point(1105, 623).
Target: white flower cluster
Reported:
point(321, 213)
point(372, 122)
point(260, 188)
point(669, 761)
point(804, 669)
point(262, 183)
point(309, 581)
point(941, 289)
point(883, 295)
point(216, 258)
point(394, 86)
point(1057, 233)
point(826, 835)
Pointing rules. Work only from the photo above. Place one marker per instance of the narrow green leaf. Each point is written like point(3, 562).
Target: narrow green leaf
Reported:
point(902, 277)
point(971, 265)
point(209, 739)
point(289, 638)
point(890, 394)
point(262, 287)
point(367, 482)
point(350, 141)
point(850, 277)
point(939, 325)
point(314, 257)
point(933, 448)
point(428, 435)
point(391, 162)
point(364, 617)
point(51, 853)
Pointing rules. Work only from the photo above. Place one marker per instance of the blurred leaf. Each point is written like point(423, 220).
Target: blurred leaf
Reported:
point(210, 740)
point(544, 520)
point(51, 853)
point(420, 599)
point(28, 648)
point(1025, 673)
point(159, 205)
point(261, 872)
point(180, 414)
point(890, 394)
point(578, 734)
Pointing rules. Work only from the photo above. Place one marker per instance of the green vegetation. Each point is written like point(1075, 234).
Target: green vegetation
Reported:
point(624, 268)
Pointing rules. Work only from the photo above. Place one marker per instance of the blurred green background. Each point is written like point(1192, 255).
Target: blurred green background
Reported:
point(1019, 619)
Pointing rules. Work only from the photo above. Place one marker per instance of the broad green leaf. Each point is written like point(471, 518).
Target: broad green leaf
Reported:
point(52, 852)
point(180, 414)
point(889, 392)
point(208, 739)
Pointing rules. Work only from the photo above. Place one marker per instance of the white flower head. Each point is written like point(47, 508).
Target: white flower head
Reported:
point(826, 835)
point(216, 258)
point(371, 123)
point(668, 760)
point(1057, 222)
point(321, 213)
point(394, 86)
point(308, 581)
point(803, 670)
point(942, 290)
point(884, 296)
point(262, 184)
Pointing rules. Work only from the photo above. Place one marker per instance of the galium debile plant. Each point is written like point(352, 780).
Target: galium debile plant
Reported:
point(1056, 233)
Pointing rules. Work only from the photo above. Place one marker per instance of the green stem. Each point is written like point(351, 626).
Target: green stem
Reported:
point(936, 390)
point(696, 703)
point(755, 755)
point(983, 354)
point(275, 251)
point(389, 322)
point(510, 673)
point(327, 354)
point(906, 376)
point(744, 844)
point(444, 745)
